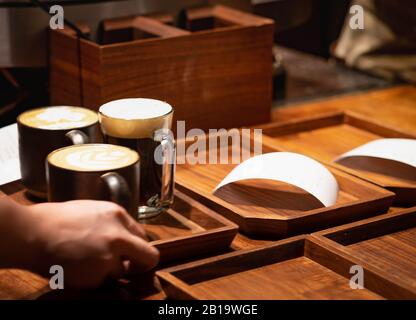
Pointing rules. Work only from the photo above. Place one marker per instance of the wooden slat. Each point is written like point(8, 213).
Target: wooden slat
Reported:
point(394, 107)
point(386, 244)
point(327, 136)
point(295, 268)
point(223, 71)
point(265, 208)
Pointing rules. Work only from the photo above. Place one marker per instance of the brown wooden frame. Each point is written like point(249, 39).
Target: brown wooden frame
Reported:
point(373, 200)
point(342, 237)
point(405, 192)
point(178, 281)
point(216, 77)
point(210, 232)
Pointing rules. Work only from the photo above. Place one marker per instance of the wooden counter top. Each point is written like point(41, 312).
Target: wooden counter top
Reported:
point(395, 106)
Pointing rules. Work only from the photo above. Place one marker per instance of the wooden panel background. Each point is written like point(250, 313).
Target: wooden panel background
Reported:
point(213, 78)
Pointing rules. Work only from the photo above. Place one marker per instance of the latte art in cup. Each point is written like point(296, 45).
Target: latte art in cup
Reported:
point(95, 172)
point(56, 118)
point(93, 157)
point(46, 129)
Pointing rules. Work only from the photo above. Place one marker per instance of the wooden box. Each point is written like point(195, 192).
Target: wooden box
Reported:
point(216, 71)
point(384, 244)
point(296, 268)
point(269, 209)
point(327, 136)
point(186, 231)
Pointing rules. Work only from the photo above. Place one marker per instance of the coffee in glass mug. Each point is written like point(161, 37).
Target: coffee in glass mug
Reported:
point(94, 171)
point(45, 129)
point(144, 126)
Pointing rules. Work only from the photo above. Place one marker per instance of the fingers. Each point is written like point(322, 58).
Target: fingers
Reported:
point(118, 270)
point(142, 256)
point(122, 215)
point(133, 227)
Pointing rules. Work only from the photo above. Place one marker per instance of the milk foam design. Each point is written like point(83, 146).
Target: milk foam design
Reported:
point(61, 118)
point(135, 109)
point(135, 118)
point(95, 157)
point(58, 118)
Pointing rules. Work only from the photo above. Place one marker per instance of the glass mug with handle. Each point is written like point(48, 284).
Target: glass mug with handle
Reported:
point(144, 126)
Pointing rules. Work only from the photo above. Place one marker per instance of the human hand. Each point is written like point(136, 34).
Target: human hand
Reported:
point(91, 240)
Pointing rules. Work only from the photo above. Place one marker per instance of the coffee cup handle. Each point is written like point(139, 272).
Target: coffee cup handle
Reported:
point(77, 137)
point(168, 156)
point(118, 188)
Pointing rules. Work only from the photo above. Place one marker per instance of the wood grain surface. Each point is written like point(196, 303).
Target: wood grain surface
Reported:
point(395, 107)
point(327, 136)
point(387, 243)
point(20, 284)
point(265, 208)
point(296, 268)
point(186, 230)
point(217, 77)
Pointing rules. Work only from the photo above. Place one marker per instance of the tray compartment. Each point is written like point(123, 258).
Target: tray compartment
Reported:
point(327, 136)
point(386, 243)
point(296, 268)
point(186, 231)
point(274, 210)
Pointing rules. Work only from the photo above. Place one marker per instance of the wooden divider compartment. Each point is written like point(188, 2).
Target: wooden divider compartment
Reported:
point(327, 136)
point(386, 243)
point(270, 209)
point(217, 74)
point(185, 231)
point(137, 28)
point(296, 268)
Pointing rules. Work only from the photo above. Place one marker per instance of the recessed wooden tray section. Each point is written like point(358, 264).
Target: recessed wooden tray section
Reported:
point(325, 137)
point(185, 231)
point(296, 268)
point(270, 209)
point(386, 243)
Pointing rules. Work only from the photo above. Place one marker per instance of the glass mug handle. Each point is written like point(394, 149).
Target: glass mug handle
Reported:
point(165, 155)
point(119, 189)
point(77, 137)
point(168, 152)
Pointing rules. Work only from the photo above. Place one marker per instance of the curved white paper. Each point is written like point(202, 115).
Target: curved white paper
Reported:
point(288, 167)
point(9, 154)
point(400, 150)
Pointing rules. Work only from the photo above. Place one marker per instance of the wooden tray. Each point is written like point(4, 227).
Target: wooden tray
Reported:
point(325, 137)
point(296, 268)
point(187, 230)
point(386, 243)
point(271, 209)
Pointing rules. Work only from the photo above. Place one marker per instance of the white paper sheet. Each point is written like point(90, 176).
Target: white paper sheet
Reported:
point(9, 154)
point(288, 167)
point(400, 150)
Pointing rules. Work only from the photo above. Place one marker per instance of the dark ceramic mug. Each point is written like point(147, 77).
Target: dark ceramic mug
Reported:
point(45, 129)
point(96, 172)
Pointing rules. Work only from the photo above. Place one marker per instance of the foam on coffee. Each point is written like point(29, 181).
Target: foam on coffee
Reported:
point(135, 118)
point(93, 157)
point(58, 118)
